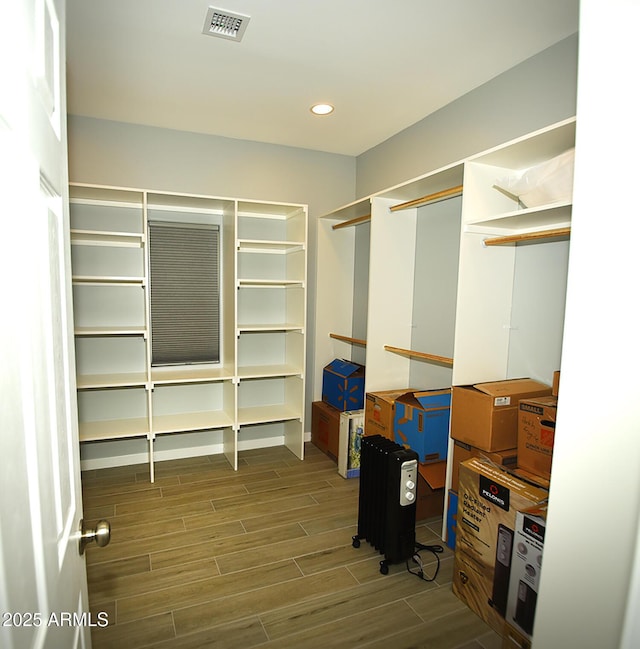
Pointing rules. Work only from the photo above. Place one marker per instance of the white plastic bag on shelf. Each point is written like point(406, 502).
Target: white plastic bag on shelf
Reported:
point(543, 184)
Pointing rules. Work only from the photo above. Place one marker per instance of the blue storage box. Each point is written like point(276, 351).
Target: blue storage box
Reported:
point(421, 423)
point(343, 385)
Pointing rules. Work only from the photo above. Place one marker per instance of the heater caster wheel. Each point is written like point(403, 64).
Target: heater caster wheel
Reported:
point(384, 568)
point(355, 541)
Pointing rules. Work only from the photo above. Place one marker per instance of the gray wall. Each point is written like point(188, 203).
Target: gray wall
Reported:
point(114, 153)
point(534, 94)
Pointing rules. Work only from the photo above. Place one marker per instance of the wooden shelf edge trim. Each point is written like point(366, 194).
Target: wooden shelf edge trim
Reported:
point(445, 360)
point(429, 198)
point(350, 222)
point(349, 339)
point(528, 236)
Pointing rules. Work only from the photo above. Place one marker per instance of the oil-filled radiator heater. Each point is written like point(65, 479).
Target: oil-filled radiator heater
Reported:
point(387, 499)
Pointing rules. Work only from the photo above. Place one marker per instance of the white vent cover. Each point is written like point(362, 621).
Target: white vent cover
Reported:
point(225, 24)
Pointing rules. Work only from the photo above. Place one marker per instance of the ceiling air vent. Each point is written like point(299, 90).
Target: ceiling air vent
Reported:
point(225, 24)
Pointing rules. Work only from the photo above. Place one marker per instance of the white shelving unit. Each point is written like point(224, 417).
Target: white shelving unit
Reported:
point(508, 286)
point(510, 311)
point(259, 384)
point(271, 267)
point(404, 344)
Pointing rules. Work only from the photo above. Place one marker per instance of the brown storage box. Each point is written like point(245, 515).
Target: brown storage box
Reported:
point(485, 415)
point(488, 501)
point(325, 428)
point(536, 433)
point(430, 495)
point(379, 412)
point(532, 478)
point(463, 452)
point(514, 639)
point(556, 383)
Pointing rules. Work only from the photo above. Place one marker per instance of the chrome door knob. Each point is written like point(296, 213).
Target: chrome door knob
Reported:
point(101, 535)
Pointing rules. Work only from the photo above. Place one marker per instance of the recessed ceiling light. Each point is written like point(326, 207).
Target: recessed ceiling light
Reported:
point(322, 109)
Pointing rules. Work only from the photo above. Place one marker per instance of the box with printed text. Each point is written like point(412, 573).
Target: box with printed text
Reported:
point(489, 499)
point(485, 415)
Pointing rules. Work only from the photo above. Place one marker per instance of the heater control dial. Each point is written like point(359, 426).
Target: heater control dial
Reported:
point(408, 481)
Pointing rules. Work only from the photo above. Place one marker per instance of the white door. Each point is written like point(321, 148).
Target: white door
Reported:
point(43, 589)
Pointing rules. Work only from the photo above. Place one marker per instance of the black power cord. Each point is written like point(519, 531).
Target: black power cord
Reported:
point(417, 559)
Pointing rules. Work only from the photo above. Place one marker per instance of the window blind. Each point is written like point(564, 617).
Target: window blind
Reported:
point(185, 293)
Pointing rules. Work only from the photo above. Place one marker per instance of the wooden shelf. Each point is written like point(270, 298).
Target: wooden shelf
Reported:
point(349, 339)
point(542, 235)
point(429, 198)
point(444, 360)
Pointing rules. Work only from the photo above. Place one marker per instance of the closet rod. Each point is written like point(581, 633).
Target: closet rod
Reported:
point(429, 198)
point(348, 339)
point(423, 355)
point(346, 224)
point(528, 236)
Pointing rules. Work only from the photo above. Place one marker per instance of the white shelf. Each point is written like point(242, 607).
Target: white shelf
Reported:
point(269, 247)
point(107, 280)
point(530, 219)
point(93, 431)
point(189, 374)
point(123, 379)
point(103, 238)
point(284, 326)
point(125, 330)
point(184, 422)
point(268, 371)
point(270, 283)
point(266, 414)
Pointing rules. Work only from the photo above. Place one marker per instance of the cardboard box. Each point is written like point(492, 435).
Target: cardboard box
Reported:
point(485, 415)
point(379, 412)
point(513, 639)
point(325, 428)
point(343, 385)
point(463, 452)
point(536, 433)
point(421, 423)
point(351, 432)
point(430, 492)
point(452, 519)
point(555, 387)
point(489, 498)
point(526, 565)
point(532, 478)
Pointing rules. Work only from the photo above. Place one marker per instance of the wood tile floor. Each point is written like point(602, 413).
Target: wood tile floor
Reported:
point(262, 557)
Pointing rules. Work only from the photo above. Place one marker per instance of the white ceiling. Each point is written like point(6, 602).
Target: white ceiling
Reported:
point(384, 64)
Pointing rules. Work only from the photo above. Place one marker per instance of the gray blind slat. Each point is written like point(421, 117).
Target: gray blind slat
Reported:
point(185, 293)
